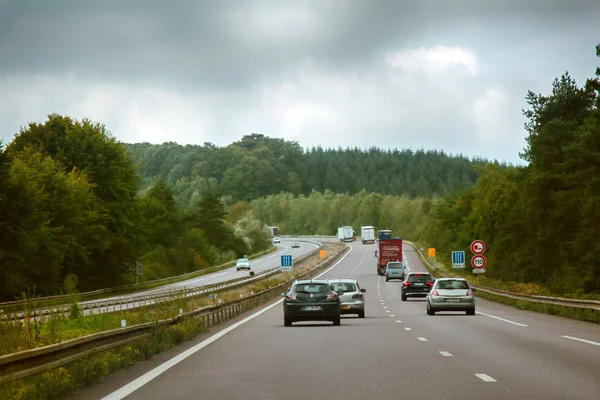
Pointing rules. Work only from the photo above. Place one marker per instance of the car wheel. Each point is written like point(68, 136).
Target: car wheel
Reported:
point(337, 321)
point(471, 311)
point(387, 280)
point(361, 314)
point(429, 310)
point(404, 298)
point(287, 322)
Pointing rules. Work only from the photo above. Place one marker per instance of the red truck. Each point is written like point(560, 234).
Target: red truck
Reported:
point(389, 250)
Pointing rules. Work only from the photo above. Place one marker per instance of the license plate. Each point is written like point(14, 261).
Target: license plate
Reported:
point(345, 307)
point(312, 308)
point(453, 300)
point(418, 284)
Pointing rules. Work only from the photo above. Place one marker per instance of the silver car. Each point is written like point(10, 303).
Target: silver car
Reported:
point(451, 294)
point(242, 263)
point(351, 296)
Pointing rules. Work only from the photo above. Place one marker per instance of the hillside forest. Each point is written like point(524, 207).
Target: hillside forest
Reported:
point(74, 201)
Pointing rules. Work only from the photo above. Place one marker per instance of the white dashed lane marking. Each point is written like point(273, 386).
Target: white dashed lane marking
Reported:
point(485, 378)
point(445, 353)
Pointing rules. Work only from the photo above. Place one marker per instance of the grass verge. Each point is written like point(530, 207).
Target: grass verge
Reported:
point(64, 380)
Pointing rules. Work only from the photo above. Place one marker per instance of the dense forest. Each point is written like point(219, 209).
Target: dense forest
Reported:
point(258, 166)
point(540, 222)
point(68, 207)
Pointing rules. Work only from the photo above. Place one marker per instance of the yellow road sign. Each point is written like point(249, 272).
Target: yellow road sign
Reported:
point(322, 253)
point(431, 252)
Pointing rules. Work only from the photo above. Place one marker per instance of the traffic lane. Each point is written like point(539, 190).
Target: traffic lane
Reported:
point(362, 358)
point(217, 276)
point(529, 362)
point(411, 258)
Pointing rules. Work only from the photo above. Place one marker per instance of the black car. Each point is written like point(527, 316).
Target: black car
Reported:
point(416, 284)
point(311, 300)
point(295, 245)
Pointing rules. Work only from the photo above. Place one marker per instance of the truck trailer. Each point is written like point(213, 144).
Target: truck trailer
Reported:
point(389, 250)
point(367, 234)
point(345, 233)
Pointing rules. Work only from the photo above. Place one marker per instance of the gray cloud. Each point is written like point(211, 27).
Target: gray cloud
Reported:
point(194, 71)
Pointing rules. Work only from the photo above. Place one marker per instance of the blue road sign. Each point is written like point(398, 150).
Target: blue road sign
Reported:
point(286, 262)
point(458, 259)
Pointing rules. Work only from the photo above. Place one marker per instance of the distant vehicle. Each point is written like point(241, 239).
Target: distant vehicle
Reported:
point(384, 234)
point(276, 240)
point(345, 234)
point(242, 263)
point(416, 284)
point(351, 296)
point(311, 300)
point(295, 245)
point(394, 270)
point(388, 250)
point(274, 231)
point(451, 294)
point(367, 234)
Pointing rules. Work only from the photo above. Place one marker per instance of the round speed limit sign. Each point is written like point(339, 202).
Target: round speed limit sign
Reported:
point(478, 262)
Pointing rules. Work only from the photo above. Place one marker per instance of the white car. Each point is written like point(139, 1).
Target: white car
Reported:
point(276, 240)
point(242, 263)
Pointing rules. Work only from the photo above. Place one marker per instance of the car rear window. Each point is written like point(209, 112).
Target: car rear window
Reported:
point(419, 278)
point(343, 287)
point(449, 285)
point(312, 288)
point(395, 266)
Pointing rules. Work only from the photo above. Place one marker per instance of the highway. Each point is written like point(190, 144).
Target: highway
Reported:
point(396, 352)
point(257, 265)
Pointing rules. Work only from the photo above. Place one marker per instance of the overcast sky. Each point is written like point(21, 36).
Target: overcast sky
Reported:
point(414, 74)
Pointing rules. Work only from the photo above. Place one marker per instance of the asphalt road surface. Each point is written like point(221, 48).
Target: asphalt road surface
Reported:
point(258, 265)
point(396, 352)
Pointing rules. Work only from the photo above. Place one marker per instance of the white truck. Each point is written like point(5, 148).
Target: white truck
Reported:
point(345, 233)
point(367, 234)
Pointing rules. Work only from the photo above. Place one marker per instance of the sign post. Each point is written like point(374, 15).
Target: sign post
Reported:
point(287, 263)
point(478, 261)
point(458, 259)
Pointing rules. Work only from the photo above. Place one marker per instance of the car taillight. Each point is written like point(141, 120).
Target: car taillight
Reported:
point(430, 283)
point(357, 296)
point(292, 297)
point(435, 293)
point(386, 274)
point(405, 284)
point(331, 296)
point(469, 292)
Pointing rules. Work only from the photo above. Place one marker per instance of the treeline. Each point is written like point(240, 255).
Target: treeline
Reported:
point(541, 223)
point(258, 166)
point(68, 208)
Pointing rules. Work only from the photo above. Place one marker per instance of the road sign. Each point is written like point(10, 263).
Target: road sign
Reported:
point(479, 271)
point(458, 259)
point(322, 253)
point(286, 262)
point(477, 247)
point(478, 262)
point(431, 252)
point(212, 296)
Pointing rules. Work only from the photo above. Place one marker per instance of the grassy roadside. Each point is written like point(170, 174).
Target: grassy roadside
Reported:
point(34, 302)
point(35, 333)
point(519, 288)
point(64, 380)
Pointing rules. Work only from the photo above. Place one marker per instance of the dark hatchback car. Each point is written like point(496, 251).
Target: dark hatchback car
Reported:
point(312, 300)
point(417, 284)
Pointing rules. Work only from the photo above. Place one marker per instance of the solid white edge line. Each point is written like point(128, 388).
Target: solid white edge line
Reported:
point(581, 340)
point(148, 376)
point(502, 319)
point(485, 378)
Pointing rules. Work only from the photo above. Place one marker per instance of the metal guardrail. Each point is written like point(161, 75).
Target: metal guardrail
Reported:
point(30, 362)
point(127, 303)
point(559, 301)
point(141, 285)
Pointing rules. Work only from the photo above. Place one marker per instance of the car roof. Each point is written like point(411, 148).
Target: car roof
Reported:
point(418, 272)
point(304, 281)
point(343, 280)
point(451, 279)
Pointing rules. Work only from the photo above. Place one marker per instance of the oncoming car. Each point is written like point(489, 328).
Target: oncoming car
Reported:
point(242, 263)
point(451, 294)
point(351, 296)
point(311, 300)
point(276, 240)
point(295, 245)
